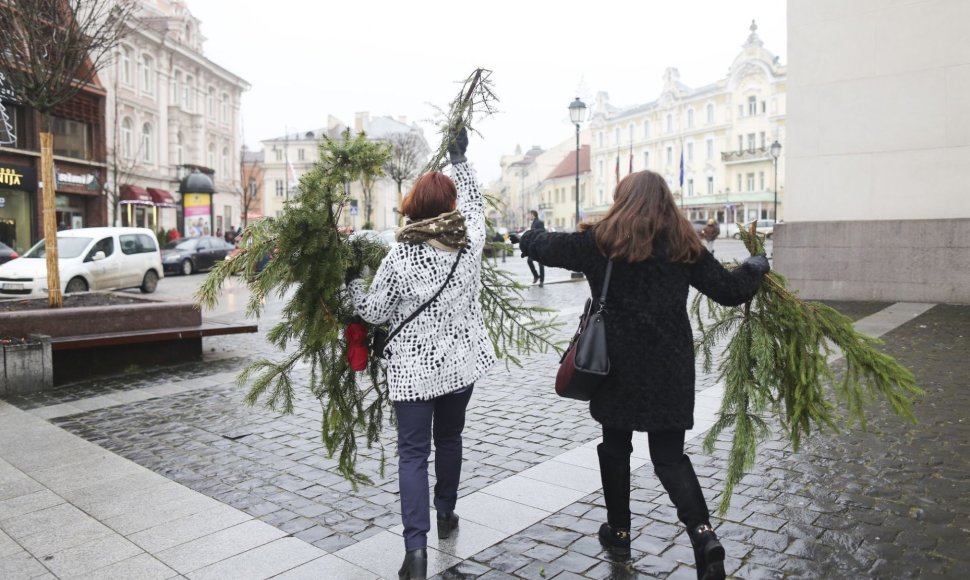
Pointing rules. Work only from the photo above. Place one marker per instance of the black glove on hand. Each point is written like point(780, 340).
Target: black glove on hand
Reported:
point(458, 146)
point(350, 275)
point(759, 263)
point(513, 238)
point(524, 241)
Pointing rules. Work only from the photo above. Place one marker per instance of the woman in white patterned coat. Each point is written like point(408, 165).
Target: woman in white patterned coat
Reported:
point(435, 359)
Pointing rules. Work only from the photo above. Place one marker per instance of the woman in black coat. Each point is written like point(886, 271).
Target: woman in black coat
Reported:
point(657, 257)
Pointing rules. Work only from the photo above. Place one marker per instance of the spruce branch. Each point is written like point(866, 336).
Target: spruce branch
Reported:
point(778, 359)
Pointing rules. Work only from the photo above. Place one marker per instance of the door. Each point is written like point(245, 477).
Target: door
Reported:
point(203, 254)
point(105, 274)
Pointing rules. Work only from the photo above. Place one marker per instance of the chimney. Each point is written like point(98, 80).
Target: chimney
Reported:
point(361, 121)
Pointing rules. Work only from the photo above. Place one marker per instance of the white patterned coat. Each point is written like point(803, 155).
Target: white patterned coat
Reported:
point(446, 347)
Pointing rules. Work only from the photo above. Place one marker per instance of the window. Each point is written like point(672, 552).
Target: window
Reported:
point(670, 155)
point(252, 187)
point(225, 109)
point(127, 127)
point(750, 181)
point(670, 123)
point(710, 113)
point(690, 187)
point(646, 129)
point(739, 182)
point(225, 162)
point(71, 138)
point(740, 110)
point(136, 244)
point(630, 129)
point(690, 152)
point(176, 81)
point(710, 149)
point(187, 94)
point(106, 245)
point(600, 165)
point(279, 154)
point(646, 160)
point(764, 106)
point(761, 180)
point(599, 139)
point(126, 76)
point(751, 142)
point(762, 139)
point(146, 143)
point(279, 188)
point(710, 185)
point(690, 118)
point(210, 156)
point(752, 105)
point(210, 103)
point(300, 155)
point(178, 149)
point(616, 136)
point(147, 75)
point(740, 143)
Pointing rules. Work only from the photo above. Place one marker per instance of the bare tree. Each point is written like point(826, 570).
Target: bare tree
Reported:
point(51, 50)
point(251, 188)
point(408, 153)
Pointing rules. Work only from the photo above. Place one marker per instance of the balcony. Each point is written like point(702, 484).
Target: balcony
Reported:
point(746, 156)
point(731, 198)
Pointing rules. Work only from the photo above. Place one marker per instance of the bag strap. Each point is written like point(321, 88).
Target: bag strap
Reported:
point(606, 286)
point(424, 306)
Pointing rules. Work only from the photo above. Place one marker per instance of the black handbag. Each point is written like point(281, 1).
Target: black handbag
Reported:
point(586, 363)
point(382, 337)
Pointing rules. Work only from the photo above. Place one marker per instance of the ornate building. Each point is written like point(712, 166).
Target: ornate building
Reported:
point(170, 110)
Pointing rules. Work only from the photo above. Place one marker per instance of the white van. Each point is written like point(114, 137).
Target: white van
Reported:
point(89, 259)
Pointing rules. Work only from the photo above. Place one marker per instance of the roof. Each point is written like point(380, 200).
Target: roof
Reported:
point(567, 166)
point(253, 156)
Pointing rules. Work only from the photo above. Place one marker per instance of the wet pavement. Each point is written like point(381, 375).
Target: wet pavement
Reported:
point(888, 503)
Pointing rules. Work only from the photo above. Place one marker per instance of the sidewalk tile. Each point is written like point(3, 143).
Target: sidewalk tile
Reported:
point(383, 553)
point(263, 562)
point(55, 411)
point(470, 539)
point(565, 475)
point(8, 546)
point(17, 485)
point(125, 502)
point(28, 503)
point(140, 567)
point(159, 513)
point(44, 521)
point(108, 490)
point(328, 566)
point(20, 565)
point(498, 513)
point(218, 546)
point(64, 537)
point(91, 556)
point(96, 469)
point(530, 492)
point(188, 528)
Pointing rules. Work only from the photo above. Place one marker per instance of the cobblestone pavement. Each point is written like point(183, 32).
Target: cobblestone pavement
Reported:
point(887, 503)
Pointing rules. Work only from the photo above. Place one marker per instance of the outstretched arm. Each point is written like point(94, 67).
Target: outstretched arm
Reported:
point(728, 287)
point(471, 202)
point(571, 251)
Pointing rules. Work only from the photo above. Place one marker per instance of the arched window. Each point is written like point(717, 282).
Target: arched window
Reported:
point(690, 118)
point(127, 127)
point(225, 162)
point(187, 94)
point(210, 103)
point(225, 108)
point(147, 75)
point(752, 105)
point(126, 76)
point(179, 148)
point(710, 112)
point(146, 143)
point(210, 157)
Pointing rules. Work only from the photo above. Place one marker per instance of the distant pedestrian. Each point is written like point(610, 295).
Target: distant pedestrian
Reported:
point(498, 247)
point(434, 361)
point(219, 233)
point(657, 257)
point(538, 277)
point(710, 233)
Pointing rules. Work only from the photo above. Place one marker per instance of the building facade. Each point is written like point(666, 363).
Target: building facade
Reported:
point(288, 157)
point(170, 110)
point(253, 174)
point(711, 143)
point(878, 200)
point(79, 165)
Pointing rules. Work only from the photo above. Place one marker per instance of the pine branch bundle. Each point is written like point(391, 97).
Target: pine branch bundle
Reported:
point(778, 358)
point(309, 260)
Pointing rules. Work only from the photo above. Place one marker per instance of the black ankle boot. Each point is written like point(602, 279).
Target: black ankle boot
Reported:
point(708, 553)
point(415, 566)
point(447, 523)
point(615, 540)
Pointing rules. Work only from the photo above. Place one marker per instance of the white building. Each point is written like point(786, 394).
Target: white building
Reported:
point(723, 131)
point(291, 155)
point(878, 151)
point(170, 109)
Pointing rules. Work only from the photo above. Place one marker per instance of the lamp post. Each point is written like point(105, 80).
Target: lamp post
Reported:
point(577, 114)
point(775, 152)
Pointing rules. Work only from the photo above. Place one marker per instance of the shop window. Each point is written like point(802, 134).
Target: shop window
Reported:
point(71, 139)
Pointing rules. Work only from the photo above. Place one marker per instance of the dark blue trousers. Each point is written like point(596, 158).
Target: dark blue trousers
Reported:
point(442, 418)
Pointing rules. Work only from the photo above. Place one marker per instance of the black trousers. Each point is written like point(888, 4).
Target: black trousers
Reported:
point(441, 418)
point(541, 274)
point(671, 465)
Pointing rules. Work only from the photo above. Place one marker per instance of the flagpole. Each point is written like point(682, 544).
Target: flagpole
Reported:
point(286, 161)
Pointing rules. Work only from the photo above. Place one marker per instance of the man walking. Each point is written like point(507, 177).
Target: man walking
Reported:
point(710, 233)
point(540, 276)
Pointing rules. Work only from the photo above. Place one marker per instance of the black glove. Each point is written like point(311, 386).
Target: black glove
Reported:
point(513, 238)
point(759, 263)
point(350, 275)
point(458, 146)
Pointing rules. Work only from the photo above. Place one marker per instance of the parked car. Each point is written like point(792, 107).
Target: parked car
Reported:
point(188, 255)
point(764, 227)
point(88, 259)
point(6, 253)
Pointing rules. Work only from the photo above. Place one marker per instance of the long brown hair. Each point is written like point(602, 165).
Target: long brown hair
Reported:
point(643, 211)
point(432, 195)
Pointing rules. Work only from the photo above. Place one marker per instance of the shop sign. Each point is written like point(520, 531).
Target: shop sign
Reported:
point(197, 209)
point(88, 180)
point(18, 177)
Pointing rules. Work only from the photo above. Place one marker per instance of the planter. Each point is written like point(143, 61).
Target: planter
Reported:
point(27, 366)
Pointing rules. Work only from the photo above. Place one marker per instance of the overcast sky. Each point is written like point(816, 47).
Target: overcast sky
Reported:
point(307, 59)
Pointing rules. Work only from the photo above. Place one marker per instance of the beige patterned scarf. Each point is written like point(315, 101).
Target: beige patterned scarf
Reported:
point(446, 232)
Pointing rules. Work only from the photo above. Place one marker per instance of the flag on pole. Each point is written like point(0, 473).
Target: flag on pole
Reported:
point(291, 174)
point(617, 170)
point(681, 171)
point(631, 156)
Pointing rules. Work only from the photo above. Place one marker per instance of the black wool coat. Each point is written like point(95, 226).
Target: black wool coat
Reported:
point(649, 337)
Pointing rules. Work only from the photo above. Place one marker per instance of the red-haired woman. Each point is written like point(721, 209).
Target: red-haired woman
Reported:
point(435, 359)
point(656, 258)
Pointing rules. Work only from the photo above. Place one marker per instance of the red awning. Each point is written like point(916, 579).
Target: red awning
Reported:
point(253, 216)
point(135, 194)
point(162, 198)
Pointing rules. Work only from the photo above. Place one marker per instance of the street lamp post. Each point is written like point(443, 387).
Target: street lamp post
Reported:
point(577, 114)
point(775, 152)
